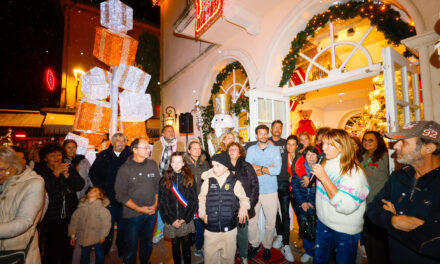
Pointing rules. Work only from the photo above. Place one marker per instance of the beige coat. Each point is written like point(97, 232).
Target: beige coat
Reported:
point(156, 155)
point(21, 207)
point(90, 222)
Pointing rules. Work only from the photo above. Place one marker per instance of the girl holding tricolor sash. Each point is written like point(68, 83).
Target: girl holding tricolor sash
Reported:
point(177, 205)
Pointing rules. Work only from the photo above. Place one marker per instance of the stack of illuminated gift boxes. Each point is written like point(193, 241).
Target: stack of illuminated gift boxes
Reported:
point(118, 50)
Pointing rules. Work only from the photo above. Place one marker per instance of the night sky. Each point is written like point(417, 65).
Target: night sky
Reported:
point(32, 41)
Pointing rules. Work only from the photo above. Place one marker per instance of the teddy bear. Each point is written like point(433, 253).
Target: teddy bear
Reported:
point(305, 124)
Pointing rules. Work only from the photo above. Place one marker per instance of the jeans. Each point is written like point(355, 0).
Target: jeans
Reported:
point(329, 240)
point(242, 239)
point(200, 230)
point(116, 213)
point(139, 227)
point(283, 222)
point(99, 254)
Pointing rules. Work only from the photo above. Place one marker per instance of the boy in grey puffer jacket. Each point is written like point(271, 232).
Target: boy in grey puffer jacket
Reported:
point(90, 225)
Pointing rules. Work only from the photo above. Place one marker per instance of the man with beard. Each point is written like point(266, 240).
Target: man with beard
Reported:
point(408, 206)
point(266, 160)
point(103, 174)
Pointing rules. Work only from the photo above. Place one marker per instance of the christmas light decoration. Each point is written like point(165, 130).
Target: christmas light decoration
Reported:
point(207, 12)
point(116, 16)
point(131, 78)
point(114, 48)
point(95, 84)
point(386, 20)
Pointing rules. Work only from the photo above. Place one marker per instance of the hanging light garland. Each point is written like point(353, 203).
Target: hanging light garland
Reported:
point(386, 20)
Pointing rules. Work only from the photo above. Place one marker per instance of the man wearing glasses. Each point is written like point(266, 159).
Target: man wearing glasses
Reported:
point(136, 188)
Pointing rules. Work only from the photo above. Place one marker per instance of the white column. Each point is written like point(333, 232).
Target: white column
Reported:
point(114, 96)
point(424, 43)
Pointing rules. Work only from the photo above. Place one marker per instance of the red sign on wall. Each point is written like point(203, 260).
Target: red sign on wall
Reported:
point(50, 79)
point(207, 12)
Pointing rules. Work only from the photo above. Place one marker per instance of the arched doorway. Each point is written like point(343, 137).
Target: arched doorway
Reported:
point(335, 59)
point(233, 80)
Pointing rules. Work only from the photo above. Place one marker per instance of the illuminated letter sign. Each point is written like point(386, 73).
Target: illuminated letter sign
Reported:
point(207, 12)
point(50, 79)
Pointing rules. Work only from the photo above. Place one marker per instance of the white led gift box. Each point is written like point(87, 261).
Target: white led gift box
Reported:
point(95, 84)
point(81, 142)
point(131, 78)
point(135, 107)
point(116, 16)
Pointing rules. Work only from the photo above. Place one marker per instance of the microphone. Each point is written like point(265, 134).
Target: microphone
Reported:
point(321, 158)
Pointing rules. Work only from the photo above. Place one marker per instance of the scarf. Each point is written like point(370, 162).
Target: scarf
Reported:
point(168, 149)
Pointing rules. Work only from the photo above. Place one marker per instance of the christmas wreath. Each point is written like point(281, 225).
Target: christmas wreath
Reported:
point(386, 19)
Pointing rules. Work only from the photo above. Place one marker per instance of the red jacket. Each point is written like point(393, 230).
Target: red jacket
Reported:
point(299, 166)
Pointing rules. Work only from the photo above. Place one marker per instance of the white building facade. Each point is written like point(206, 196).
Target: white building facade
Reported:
point(258, 34)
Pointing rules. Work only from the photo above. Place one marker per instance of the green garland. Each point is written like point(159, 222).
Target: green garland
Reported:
point(386, 19)
point(208, 111)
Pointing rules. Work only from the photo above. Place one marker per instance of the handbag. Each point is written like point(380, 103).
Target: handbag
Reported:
point(17, 256)
point(307, 228)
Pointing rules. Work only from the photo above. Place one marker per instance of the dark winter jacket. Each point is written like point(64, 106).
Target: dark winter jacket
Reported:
point(245, 173)
point(284, 174)
point(60, 189)
point(170, 208)
point(104, 169)
point(412, 197)
point(303, 194)
point(197, 169)
point(222, 218)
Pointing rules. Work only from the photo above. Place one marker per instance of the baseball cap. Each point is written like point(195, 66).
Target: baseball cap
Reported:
point(423, 129)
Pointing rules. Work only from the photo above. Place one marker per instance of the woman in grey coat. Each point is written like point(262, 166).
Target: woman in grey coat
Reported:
point(21, 205)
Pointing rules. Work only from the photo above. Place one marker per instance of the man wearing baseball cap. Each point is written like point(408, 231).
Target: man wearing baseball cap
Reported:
point(408, 206)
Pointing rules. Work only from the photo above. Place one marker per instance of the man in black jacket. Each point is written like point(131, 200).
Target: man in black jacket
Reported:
point(408, 206)
point(103, 174)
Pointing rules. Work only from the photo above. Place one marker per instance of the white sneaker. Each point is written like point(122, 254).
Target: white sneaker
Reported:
point(305, 258)
point(278, 242)
point(287, 253)
point(244, 261)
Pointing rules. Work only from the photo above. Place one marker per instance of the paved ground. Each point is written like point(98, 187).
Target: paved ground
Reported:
point(162, 253)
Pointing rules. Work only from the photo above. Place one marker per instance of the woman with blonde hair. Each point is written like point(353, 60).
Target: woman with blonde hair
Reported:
point(341, 191)
point(21, 207)
point(226, 139)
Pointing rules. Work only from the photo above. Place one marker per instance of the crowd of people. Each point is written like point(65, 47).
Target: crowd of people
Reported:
point(237, 201)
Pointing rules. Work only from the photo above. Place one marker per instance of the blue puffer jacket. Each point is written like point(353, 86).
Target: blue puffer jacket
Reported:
point(412, 197)
point(303, 194)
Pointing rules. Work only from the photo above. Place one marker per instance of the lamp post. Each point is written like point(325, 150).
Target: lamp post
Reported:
point(170, 118)
point(77, 73)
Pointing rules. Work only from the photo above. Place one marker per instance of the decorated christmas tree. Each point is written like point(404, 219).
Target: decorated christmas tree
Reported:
point(374, 115)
